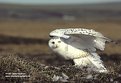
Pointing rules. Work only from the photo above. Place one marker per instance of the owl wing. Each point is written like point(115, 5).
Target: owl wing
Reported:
point(82, 42)
point(85, 39)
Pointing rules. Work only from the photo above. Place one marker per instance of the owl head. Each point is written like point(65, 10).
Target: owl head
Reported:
point(54, 43)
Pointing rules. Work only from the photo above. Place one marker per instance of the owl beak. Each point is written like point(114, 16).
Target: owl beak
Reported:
point(54, 46)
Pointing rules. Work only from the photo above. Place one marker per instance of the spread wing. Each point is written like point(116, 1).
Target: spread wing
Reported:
point(85, 39)
point(81, 38)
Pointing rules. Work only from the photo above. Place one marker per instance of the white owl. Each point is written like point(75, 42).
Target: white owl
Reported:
point(79, 45)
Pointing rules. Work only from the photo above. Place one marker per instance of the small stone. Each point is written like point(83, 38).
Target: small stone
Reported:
point(55, 78)
point(89, 77)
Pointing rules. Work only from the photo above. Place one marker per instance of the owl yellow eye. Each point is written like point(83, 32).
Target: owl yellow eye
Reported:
point(59, 41)
point(53, 42)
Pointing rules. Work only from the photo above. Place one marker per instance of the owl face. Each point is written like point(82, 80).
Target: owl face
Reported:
point(54, 43)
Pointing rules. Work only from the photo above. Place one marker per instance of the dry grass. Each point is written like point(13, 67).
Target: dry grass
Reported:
point(19, 63)
point(40, 29)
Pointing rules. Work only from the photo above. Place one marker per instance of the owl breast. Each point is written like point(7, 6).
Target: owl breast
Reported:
point(69, 52)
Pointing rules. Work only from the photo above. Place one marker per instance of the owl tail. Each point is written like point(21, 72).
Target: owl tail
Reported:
point(100, 42)
point(95, 60)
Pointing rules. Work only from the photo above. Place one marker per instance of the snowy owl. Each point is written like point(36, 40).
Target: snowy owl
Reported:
point(80, 45)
